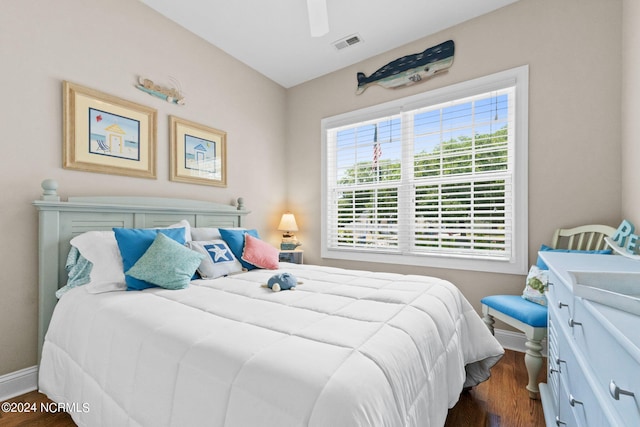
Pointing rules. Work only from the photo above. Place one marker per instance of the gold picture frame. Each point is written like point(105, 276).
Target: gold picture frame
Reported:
point(198, 153)
point(106, 134)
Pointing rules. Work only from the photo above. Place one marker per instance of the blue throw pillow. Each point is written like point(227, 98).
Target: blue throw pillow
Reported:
point(166, 263)
point(235, 240)
point(134, 242)
point(544, 248)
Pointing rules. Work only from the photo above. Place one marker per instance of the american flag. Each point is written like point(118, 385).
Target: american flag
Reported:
point(377, 150)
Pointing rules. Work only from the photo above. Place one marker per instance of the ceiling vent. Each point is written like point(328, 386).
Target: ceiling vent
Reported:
point(347, 41)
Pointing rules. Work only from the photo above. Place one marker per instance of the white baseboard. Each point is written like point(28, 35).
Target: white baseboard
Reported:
point(19, 382)
point(515, 341)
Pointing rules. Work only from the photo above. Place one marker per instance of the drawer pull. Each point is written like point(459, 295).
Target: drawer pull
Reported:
point(561, 304)
point(558, 422)
point(559, 361)
point(617, 391)
point(573, 323)
point(573, 401)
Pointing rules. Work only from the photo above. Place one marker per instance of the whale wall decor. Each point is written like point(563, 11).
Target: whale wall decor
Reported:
point(410, 69)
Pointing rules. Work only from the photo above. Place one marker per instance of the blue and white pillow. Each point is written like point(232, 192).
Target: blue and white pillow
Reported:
point(219, 259)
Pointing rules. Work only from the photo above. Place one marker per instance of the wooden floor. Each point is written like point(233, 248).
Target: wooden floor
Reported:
point(502, 401)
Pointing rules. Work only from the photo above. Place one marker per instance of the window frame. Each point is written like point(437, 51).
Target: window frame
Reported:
point(517, 77)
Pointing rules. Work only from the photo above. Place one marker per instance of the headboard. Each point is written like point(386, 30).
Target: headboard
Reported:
point(59, 222)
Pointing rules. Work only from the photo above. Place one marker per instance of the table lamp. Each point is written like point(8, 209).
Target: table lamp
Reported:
point(288, 225)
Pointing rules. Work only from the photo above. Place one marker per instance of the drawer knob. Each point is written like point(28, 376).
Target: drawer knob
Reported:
point(573, 401)
point(561, 304)
point(617, 391)
point(573, 323)
point(558, 422)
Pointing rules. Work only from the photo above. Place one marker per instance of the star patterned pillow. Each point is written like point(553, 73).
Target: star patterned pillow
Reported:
point(219, 260)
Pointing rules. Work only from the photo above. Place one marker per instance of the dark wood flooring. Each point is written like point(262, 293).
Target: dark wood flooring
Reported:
point(502, 401)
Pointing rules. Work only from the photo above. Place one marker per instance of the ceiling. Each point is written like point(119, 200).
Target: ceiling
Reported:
point(273, 37)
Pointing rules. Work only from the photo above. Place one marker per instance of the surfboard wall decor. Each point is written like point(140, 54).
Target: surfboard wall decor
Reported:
point(410, 69)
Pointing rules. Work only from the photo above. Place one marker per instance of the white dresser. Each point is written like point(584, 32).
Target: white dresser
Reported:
point(593, 372)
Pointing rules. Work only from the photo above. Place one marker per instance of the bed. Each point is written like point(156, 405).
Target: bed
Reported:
point(346, 348)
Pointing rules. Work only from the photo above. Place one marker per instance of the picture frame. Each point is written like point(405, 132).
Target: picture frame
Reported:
point(198, 153)
point(107, 134)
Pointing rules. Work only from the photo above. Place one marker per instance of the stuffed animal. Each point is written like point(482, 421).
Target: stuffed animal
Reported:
point(282, 282)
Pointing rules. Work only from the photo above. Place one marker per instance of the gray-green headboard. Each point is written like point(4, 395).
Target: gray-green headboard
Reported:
point(60, 221)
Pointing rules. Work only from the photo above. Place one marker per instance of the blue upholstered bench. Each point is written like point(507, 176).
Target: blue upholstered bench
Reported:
point(531, 318)
point(526, 316)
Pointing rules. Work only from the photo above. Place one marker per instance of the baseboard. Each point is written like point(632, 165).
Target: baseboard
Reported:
point(515, 341)
point(19, 382)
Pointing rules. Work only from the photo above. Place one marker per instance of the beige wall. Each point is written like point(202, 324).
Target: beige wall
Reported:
point(631, 112)
point(573, 51)
point(572, 48)
point(106, 45)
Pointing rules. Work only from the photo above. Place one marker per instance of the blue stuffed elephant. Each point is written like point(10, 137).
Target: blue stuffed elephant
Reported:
point(282, 282)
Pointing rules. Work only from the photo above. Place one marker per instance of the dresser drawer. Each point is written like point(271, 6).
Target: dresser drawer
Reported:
point(559, 299)
point(576, 382)
point(617, 361)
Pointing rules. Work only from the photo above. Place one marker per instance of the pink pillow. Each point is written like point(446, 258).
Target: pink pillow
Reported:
point(260, 253)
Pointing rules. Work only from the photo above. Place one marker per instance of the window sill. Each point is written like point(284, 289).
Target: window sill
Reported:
point(448, 262)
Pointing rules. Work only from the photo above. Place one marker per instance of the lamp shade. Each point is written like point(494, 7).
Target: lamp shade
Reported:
point(288, 223)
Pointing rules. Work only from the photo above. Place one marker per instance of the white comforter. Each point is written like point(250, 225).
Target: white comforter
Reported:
point(347, 348)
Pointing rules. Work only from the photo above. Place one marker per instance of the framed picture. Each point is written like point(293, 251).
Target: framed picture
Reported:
point(198, 153)
point(106, 134)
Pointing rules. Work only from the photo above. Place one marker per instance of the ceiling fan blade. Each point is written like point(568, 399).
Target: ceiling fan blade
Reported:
point(318, 17)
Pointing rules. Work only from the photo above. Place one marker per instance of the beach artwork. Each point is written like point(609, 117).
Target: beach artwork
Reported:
point(113, 135)
point(106, 134)
point(199, 154)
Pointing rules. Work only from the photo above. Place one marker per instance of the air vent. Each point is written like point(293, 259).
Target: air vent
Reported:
point(347, 41)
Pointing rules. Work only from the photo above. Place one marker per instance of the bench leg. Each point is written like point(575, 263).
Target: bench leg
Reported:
point(533, 361)
point(488, 319)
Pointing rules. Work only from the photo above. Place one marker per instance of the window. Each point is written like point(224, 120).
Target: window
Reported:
point(437, 179)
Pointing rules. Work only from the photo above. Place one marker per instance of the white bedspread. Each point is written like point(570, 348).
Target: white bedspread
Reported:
point(347, 348)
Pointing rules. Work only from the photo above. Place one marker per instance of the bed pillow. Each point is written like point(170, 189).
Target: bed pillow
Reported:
point(100, 248)
point(166, 263)
point(203, 234)
point(183, 223)
point(260, 253)
point(544, 248)
point(234, 238)
point(134, 242)
point(218, 259)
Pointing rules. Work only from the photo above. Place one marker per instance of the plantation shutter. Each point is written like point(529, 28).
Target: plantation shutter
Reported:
point(433, 180)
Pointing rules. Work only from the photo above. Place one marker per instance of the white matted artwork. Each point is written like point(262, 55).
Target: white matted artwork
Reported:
point(106, 134)
point(198, 153)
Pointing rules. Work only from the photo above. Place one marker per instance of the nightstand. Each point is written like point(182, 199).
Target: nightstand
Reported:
point(293, 256)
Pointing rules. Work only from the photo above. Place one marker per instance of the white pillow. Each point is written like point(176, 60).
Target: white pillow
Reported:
point(219, 260)
point(204, 233)
point(101, 249)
